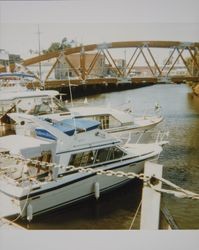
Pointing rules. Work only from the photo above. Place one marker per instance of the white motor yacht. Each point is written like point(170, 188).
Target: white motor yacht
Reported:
point(45, 104)
point(62, 161)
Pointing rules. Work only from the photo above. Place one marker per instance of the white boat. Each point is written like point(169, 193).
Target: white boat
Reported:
point(45, 104)
point(15, 81)
point(17, 101)
point(63, 166)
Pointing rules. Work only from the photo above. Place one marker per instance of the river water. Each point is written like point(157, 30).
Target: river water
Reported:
point(180, 158)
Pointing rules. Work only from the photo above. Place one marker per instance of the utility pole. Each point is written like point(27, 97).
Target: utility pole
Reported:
point(125, 64)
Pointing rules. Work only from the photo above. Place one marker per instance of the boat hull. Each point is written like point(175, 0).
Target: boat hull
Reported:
point(76, 190)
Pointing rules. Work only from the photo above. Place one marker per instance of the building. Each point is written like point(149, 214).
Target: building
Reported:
point(64, 68)
point(4, 57)
point(7, 59)
point(143, 71)
point(13, 58)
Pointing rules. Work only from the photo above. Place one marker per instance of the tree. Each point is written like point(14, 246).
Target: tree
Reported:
point(56, 46)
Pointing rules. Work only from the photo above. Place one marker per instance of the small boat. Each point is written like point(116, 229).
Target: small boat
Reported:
point(57, 164)
point(16, 100)
point(15, 81)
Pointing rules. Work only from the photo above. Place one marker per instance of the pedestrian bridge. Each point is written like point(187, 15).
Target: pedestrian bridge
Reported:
point(118, 62)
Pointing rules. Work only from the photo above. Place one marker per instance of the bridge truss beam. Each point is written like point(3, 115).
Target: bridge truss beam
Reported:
point(139, 49)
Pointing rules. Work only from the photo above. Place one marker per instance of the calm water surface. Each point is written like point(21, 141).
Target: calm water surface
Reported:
point(180, 158)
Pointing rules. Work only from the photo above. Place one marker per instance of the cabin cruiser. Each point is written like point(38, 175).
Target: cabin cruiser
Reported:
point(46, 104)
point(20, 102)
point(52, 165)
point(15, 94)
point(16, 102)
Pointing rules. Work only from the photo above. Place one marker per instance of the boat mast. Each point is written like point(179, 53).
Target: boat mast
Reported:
point(71, 98)
point(39, 48)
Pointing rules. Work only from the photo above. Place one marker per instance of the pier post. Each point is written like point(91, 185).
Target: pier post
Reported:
point(150, 210)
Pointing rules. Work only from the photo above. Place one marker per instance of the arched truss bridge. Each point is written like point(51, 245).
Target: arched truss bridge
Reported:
point(135, 61)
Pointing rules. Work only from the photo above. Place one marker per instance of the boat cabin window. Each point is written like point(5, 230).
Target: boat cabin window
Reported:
point(96, 156)
point(107, 154)
point(82, 159)
point(43, 108)
point(7, 107)
point(47, 105)
point(115, 153)
point(106, 121)
point(58, 105)
point(102, 155)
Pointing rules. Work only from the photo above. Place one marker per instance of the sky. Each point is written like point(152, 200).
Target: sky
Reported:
point(93, 21)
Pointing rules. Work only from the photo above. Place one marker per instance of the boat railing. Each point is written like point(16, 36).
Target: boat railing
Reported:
point(160, 137)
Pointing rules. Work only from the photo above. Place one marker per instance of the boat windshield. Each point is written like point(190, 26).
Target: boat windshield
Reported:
point(42, 105)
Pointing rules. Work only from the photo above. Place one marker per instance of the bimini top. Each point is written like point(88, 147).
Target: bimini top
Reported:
point(68, 126)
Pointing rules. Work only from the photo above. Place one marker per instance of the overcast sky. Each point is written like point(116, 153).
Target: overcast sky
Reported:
point(93, 21)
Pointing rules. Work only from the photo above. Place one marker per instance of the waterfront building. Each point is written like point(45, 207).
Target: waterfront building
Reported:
point(63, 69)
point(6, 58)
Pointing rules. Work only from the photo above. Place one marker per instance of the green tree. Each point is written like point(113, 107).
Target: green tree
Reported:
point(56, 46)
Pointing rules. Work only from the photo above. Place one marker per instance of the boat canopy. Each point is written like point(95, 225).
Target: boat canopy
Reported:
point(68, 126)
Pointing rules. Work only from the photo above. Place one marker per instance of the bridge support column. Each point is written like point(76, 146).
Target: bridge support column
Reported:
point(82, 64)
